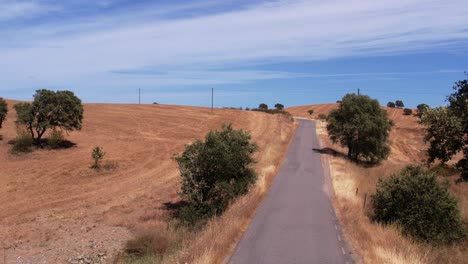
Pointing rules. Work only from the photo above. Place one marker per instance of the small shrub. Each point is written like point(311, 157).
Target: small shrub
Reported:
point(322, 116)
point(420, 205)
point(1, 137)
point(407, 111)
point(310, 111)
point(23, 142)
point(55, 139)
point(97, 154)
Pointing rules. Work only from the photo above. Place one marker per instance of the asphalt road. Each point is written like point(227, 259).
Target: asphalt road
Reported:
point(296, 222)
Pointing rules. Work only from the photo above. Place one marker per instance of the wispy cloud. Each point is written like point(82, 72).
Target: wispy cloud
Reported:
point(197, 48)
point(16, 9)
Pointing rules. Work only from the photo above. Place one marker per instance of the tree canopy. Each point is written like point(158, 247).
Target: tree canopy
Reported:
point(447, 128)
point(279, 106)
point(263, 106)
point(3, 111)
point(362, 126)
point(49, 109)
point(391, 104)
point(399, 104)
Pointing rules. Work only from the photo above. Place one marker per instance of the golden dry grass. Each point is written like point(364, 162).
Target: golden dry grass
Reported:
point(53, 204)
point(371, 242)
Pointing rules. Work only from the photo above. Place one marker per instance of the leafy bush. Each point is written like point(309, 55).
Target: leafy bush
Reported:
point(310, 111)
point(97, 154)
point(55, 139)
point(361, 125)
point(322, 116)
point(214, 172)
point(416, 201)
point(391, 104)
point(407, 111)
point(23, 142)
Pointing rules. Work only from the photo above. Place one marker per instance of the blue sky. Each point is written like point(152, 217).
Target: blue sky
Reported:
point(293, 52)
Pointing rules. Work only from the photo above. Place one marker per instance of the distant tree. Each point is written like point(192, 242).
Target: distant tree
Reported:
point(391, 104)
point(3, 111)
point(49, 109)
point(279, 106)
point(310, 111)
point(263, 106)
point(407, 111)
point(338, 102)
point(447, 129)
point(97, 154)
point(399, 104)
point(422, 108)
point(247, 109)
point(361, 125)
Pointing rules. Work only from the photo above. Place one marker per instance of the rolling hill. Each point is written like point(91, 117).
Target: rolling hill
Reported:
point(54, 207)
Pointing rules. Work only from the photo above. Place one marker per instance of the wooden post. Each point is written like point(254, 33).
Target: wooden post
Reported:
point(357, 191)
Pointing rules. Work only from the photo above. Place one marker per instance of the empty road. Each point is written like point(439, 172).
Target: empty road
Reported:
point(296, 222)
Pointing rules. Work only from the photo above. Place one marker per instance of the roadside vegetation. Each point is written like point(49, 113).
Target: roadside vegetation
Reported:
point(362, 126)
point(213, 173)
point(395, 212)
point(279, 109)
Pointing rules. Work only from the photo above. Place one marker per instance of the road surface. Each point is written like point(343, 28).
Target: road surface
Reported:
point(296, 222)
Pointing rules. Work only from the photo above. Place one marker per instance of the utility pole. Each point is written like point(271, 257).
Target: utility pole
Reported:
point(212, 94)
point(139, 96)
point(358, 91)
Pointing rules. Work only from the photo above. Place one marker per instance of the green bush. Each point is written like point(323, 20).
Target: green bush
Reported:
point(322, 116)
point(23, 142)
point(310, 111)
point(55, 139)
point(214, 172)
point(420, 205)
point(407, 111)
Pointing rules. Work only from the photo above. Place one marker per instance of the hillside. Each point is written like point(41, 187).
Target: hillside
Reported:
point(54, 207)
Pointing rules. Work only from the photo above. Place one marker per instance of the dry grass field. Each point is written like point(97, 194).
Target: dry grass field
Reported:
point(371, 242)
point(54, 208)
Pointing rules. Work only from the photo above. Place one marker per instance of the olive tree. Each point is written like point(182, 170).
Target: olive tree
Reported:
point(362, 126)
point(3, 111)
point(399, 104)
point(263, 106)
point(50, 110)
point(447, 129)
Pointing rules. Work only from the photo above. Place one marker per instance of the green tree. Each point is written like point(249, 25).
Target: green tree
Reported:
point(215, 171)
point(362, 126)
point(447, 129)
point(416, 201)
point(310, 111)
point(263, 106)
point(391, 104)
point(279, 106)
point(49, 109)
point(399, 104)
point(3, 111)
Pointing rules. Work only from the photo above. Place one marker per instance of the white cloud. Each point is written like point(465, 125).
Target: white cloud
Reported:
point(273, 32)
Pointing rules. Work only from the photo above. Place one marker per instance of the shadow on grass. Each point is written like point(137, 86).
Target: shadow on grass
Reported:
point(335, 153)
point(174, 208)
